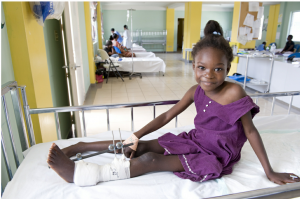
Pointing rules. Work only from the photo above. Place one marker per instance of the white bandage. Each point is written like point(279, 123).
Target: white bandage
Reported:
point(88, 174)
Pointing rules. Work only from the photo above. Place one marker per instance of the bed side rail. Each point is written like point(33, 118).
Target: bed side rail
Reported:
point(154, 104)
point(284, 191)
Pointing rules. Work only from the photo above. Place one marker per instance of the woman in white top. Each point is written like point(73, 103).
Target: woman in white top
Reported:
point(126, 37)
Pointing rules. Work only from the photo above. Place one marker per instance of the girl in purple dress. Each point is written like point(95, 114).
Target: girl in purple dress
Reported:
point(223, 124)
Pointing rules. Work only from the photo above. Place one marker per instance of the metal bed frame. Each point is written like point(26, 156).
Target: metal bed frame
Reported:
point(28, 140)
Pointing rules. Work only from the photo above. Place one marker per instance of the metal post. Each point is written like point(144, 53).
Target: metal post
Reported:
point(57, 126)
point(153, 111)
point(176, 118)
point(107, 117)
point(83, 121)
point(10, 131)
point(270, 76)
point(246, 70)
point(256, 100)
point(27, 116)
point(290, 105)
point(19, 118)
point(6, 157)
point(273, 103)
point(132, 124)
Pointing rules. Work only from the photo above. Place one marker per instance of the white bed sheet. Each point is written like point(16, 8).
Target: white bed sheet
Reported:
point(280, 134)
point(142, 65)
point(145, 54)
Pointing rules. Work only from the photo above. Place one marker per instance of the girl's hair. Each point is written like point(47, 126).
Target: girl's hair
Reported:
point(111, 38)
point(213, 37)
point(115, 36)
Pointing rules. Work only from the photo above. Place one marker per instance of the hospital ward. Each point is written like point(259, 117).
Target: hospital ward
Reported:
point(150, 99)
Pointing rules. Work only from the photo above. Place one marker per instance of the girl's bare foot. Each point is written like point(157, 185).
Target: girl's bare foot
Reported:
point(60, 163)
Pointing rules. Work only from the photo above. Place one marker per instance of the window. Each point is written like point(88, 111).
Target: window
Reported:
point(294, 28)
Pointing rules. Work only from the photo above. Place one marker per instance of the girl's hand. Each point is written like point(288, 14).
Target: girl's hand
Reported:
point(283, 178)
point(129, 153)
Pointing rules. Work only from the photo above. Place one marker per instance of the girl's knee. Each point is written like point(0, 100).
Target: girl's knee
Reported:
point(150, 157)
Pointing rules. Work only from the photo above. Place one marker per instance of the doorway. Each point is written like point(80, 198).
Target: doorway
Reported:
point(180, 33)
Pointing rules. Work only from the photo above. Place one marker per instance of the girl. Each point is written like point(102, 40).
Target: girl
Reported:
point(223, 124)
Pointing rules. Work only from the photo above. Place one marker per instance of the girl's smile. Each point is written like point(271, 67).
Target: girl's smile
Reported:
point(211, 68)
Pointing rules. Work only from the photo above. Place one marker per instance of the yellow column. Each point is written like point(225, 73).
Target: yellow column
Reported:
point(185, 28)
point(272, 23)
point(170, 29)
point(99, 26)
point(234, 34)
point(193, 21)
point(28, 53)
point(88, 27)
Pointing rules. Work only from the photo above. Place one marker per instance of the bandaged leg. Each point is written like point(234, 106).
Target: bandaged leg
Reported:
point(88, 174)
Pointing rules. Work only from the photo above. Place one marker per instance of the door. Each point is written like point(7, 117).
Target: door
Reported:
point(74, 61)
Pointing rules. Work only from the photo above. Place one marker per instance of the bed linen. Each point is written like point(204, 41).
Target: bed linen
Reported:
point(142, 64)
point(145, 54)
point(280, 135)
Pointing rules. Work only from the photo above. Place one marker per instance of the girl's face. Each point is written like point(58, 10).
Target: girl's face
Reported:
point(211, 68)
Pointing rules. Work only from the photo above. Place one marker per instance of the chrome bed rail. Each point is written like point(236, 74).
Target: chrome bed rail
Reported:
point(27, 139)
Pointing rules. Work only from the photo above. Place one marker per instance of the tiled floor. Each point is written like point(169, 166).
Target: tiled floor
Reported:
point(179, 77)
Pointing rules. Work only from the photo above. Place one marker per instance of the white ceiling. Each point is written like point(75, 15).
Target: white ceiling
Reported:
point(177, 5)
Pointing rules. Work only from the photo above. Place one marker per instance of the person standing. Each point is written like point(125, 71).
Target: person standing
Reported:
point(126, 37)
point(120, 39)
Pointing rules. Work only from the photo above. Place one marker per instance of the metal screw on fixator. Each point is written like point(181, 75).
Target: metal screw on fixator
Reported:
point(111, 147)
point(78, 156)
point(119, 145)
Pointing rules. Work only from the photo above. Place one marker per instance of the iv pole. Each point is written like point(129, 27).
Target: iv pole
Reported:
point(132, 73)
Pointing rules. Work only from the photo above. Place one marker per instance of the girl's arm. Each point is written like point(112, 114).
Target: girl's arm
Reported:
point(259, 149)
point(166, 117)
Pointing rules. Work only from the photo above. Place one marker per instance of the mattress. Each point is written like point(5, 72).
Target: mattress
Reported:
point(142, 64)
point(280, 135)
point(145, 54)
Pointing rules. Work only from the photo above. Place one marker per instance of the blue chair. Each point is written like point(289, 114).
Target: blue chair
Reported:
point(297, 55)
point(260, 47)
point(273, 43)
point(297, 47)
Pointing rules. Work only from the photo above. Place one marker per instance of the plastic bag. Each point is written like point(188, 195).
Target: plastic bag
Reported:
point(43, 10)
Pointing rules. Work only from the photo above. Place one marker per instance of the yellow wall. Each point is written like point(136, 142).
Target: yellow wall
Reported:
point(170, 29)
point(28, 53)
point(235, 21)
point(100, 44)
point(185, 34)
point(192, 24)
point(272, 23)
point(88, 28)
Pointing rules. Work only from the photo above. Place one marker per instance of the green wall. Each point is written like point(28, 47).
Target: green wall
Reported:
point(151, 20)
point(288, 7)
point(57, 75)
point(84, 51)
point(7, 74)
point(147, 20)
point(223, 17)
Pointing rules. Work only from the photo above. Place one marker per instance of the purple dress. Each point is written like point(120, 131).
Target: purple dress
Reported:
point(210, 150)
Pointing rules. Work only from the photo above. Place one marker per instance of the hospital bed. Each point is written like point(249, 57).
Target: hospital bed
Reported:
point(145, 54)
point(33, 178)
point(142, 64)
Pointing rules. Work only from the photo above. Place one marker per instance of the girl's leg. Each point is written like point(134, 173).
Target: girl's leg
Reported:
point(148, 162)
point(143, 147)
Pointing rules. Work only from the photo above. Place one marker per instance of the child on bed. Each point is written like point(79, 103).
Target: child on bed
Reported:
point(223, 124)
